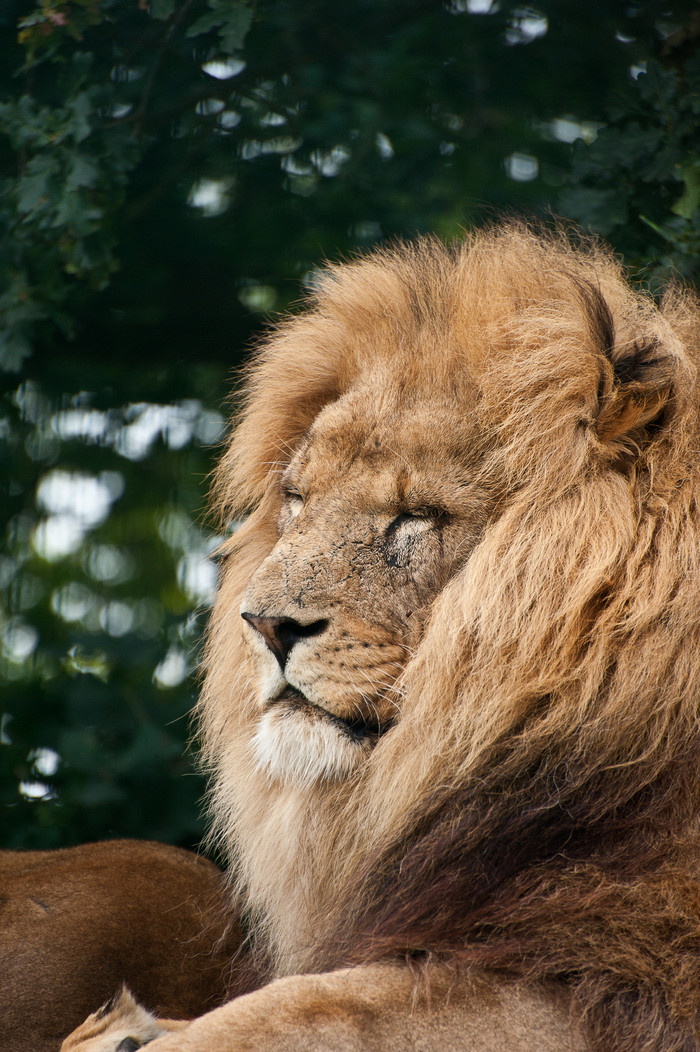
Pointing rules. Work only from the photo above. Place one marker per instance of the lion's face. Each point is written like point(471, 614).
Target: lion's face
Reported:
point(378, 507)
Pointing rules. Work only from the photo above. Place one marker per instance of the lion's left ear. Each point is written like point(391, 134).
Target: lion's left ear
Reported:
point(638, 370)
point(635, 393)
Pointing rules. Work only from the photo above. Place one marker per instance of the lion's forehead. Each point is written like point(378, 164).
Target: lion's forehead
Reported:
point(389, 443)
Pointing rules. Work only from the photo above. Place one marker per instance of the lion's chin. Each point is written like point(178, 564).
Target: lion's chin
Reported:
point(300, 745)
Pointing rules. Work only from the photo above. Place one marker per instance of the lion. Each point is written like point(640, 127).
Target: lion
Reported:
point(80, 921)
point(452, 687)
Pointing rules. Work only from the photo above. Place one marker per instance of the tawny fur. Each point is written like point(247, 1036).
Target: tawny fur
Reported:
point(369, 1009)
point(535, 806)
point(119, 1022)
point(529, 812)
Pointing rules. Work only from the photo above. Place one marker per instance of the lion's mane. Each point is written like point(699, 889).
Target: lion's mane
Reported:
point(535, 809)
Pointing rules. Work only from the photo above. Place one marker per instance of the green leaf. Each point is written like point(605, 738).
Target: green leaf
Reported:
point(83, 173)
point(232, 20)
point(82, 111)
point(162, 9)
point(14, 348)
point(31, 190)
point(688, 204)
point(79, 662)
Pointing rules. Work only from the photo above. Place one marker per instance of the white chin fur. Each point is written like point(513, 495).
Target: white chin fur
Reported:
point(293, 747)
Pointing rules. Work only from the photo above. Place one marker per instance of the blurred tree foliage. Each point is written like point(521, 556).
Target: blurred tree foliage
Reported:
point(638, 183)
point(170, 172)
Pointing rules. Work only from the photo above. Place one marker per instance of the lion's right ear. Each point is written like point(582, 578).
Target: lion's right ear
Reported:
point(638, 372)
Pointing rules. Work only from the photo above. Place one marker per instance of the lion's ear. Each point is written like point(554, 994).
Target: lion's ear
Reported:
point(635, 393)
point(636, 379)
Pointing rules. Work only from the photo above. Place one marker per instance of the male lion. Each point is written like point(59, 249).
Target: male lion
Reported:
point(452, 695)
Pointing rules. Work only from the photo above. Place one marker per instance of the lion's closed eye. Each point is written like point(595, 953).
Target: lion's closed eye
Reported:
point(415, 520)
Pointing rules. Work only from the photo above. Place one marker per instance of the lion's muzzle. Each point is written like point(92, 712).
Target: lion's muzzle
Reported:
point(281, 633)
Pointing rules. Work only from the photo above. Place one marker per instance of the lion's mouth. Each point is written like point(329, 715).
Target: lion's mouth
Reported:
point(357, 728)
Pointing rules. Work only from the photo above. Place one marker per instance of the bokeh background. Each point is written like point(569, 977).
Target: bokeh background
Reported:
point(171, 173)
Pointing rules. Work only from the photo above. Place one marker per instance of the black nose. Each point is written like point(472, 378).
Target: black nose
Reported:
point(281, 633)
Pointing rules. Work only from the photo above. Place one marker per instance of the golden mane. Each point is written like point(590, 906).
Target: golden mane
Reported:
point(534, 809)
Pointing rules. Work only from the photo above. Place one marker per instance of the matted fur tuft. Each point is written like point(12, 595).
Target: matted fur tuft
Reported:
point(534, 809)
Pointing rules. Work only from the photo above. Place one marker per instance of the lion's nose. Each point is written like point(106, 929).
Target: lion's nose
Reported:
point(281, 633)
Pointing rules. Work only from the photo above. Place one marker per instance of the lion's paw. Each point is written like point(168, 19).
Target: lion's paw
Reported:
point(120, 1025)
